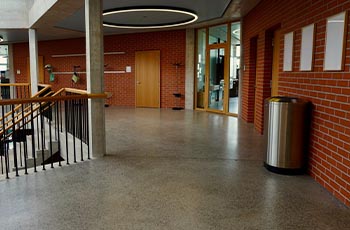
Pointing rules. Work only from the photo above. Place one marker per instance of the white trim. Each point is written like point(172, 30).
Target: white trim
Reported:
point(81, 55)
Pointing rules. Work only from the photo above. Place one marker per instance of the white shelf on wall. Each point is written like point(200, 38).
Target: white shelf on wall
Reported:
point(115, 71)
point(69, 72)
point(81, 55)
point(116, 52)
point(83, 72)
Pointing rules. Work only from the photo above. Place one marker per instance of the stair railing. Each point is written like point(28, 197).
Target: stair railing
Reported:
point(47, 129)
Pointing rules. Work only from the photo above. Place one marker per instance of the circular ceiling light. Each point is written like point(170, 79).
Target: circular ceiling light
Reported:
point(236, 31)
point(147, 17)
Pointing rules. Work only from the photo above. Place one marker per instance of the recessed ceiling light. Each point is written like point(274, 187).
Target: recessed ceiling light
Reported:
point(192, 17)
point(1, 39)
point(236, 31)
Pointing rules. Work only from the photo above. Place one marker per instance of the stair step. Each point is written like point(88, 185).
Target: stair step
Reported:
point(56, 156)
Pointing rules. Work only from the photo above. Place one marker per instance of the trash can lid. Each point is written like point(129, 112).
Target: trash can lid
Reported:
point(286, 99)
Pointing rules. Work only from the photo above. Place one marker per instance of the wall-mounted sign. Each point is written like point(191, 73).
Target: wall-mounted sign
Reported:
point(335, 39)
point(288, 52)
point(307, 47)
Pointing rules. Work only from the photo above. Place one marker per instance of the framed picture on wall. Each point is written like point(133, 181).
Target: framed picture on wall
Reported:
point(335, 42)
point(307, 47)
point(288, 52)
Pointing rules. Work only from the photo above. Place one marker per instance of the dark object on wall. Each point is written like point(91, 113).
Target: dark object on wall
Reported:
point(75, 77)
point(109, 95)
point(177, 94)
point(234, 90)
point(49, 69)
point(5, 90)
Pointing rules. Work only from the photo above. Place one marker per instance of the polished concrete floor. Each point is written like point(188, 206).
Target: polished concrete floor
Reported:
point(170, 170)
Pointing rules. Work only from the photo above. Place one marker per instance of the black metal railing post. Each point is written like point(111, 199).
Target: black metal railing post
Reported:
point(42, 136)
point(57, 104)
point(33, 137)
point(87, 128)
point(74, 129)
point(5, 142)
point(50, 133)
point(66, 128)
point(13, 139)
point(80, 122)
point(24, 140)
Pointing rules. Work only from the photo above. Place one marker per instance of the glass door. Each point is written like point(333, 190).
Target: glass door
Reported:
point(218, 57)
point(235, 60)
point(200, 80)
point(216, 79)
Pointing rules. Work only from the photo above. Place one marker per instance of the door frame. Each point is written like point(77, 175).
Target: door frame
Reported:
point(158, 80)
point(207, 80)
point(275, 61)
point(227, 47)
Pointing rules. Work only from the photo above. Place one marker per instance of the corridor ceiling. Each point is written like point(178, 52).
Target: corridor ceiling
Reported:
point(66, 18)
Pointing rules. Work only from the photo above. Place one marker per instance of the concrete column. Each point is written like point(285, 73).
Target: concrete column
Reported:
point(189, 82)
point(11, 72)
point(33, 60)
point(94, 75)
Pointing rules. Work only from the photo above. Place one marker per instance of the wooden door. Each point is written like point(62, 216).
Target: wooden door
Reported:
point(40, 70)
point(275, 62)
point(147, 72)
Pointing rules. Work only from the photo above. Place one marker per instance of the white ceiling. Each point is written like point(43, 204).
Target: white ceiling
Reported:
point(66, 18)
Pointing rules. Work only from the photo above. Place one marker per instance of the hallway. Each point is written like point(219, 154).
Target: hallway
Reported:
point(170, 169)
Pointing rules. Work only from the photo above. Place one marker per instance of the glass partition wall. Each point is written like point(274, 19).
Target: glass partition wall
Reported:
point(201, 44)
point(218, 68)
point(235, 62)
point(216, 79)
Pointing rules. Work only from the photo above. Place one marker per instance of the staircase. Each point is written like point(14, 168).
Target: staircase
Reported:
point(18, 130)
point(45, 155)
point(46, 128)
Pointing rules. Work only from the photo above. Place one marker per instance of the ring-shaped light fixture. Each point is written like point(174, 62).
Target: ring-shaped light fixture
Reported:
point(192, 15)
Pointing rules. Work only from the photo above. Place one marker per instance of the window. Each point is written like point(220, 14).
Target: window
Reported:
point(3, 57)
point(218, 34)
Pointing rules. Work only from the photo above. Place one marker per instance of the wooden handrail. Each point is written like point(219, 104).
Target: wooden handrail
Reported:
point(37, 102)
point(50, 99)
point(77, 91)
point(16, 109)
point(14, 84)
point(46, 87)
point(58, 92)
point(26, 114)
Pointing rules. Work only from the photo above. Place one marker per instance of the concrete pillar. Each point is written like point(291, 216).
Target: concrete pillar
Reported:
point(189, 82)
point(11, 72)
point(94, 75)
point(33, 60)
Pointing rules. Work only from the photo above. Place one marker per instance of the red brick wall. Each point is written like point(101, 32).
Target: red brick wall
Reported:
point(329, 155)
point(172, 46)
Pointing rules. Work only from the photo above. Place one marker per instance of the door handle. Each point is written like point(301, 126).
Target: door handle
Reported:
point(138, 82)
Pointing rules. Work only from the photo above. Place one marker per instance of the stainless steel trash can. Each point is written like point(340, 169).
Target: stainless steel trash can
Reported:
point(286, 132)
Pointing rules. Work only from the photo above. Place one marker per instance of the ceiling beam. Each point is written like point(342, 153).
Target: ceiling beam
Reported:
point(57, 12)
point(13, 14)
